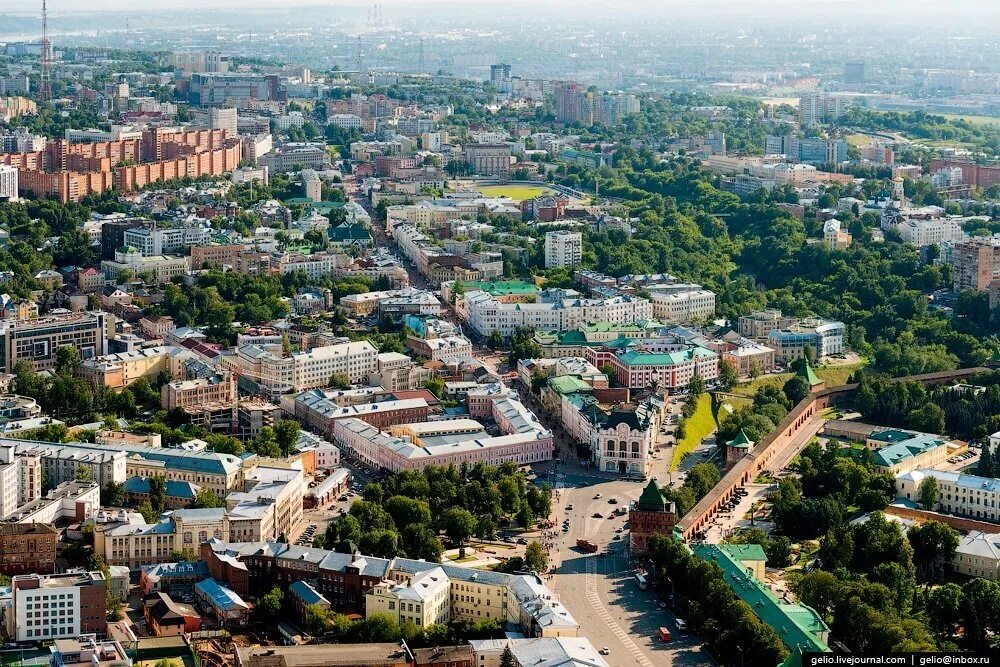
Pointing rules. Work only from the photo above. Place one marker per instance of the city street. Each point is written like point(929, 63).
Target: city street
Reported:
point(601, 591)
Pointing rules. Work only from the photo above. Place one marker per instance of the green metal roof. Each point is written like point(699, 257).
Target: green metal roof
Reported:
point(568, 384)
point(799, 627)
point(349, 232)
point(636, 358)
point(897, 452)
point(741, 441)
point(806, 372)
point(652, 499)
point(745, 552)
point(499, 287)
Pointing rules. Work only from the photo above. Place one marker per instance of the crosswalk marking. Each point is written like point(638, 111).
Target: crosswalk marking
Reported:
point(594, 599)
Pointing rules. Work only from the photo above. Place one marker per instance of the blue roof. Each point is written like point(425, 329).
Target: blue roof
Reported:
point(175, 488)
point(220, 596)
point(307, 593)
point(182, 569)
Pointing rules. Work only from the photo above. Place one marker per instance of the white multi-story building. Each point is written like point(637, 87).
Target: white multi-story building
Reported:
point(345, 121)
point(317, 265)
point(414, 446)
point(289, 120)
point(563, 248)
point(307, 370)
point(554, 310)
point(8, 183)
point(166, 240)
point(56, 606)
point(687, 306)
point(964, 495)
point(424, 600)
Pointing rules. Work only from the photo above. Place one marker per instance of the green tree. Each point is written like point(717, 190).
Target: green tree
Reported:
point(113, 494)
point(340, 381)
point(157, 492)
point(205, 498)
point(459, 525)
point(286, 433)
point(796, 389)
point(436, 386)
point(68, 360)
point(83, 473)
point(934, 545)
point(269, 605)
point(149, 514)
point(266, 443)
point(927, 492)
point(536, 557)
point(507, 658)
point(944, 607)
point(728, 375)
point(696, 387)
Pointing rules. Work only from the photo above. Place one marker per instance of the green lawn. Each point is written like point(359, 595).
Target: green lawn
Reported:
point(832, 375)
point(972, 119)
point(515, 192)
point(700, 425)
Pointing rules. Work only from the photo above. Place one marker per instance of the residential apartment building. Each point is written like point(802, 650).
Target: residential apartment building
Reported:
point(424, 600)
point(682, 307)
point(563, 248)
point(758, 325)
point(122, 369)
point(555, 310)
point(275, 375)
point(269, 506)
point(152, 242)
point(57, 606)
point(27, 548)
point(8, 183)
point(349, 580)
point(20, 480)
point(976, 264)
point(60, 463)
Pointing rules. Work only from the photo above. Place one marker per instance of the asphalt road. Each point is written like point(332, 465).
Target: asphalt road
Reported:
point(601, 591)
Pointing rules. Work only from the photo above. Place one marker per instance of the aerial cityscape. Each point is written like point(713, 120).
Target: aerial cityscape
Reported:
point(371, 333)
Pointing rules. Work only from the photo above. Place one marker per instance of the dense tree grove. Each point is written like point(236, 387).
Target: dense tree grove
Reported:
point(404, 514)
point(970, 415)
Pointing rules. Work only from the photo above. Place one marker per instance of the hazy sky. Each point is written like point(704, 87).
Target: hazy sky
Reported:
point(979, 13)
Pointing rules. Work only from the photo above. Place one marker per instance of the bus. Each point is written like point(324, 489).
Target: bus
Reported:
point(640, 581)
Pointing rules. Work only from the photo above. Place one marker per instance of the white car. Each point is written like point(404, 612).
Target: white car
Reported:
point(605, 650)
point(681, 625)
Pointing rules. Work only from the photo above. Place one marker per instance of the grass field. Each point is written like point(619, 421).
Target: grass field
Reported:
point(972, 120)
point(858, 139)
point(701, 424)
point(515, 192)
point(831, 375)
